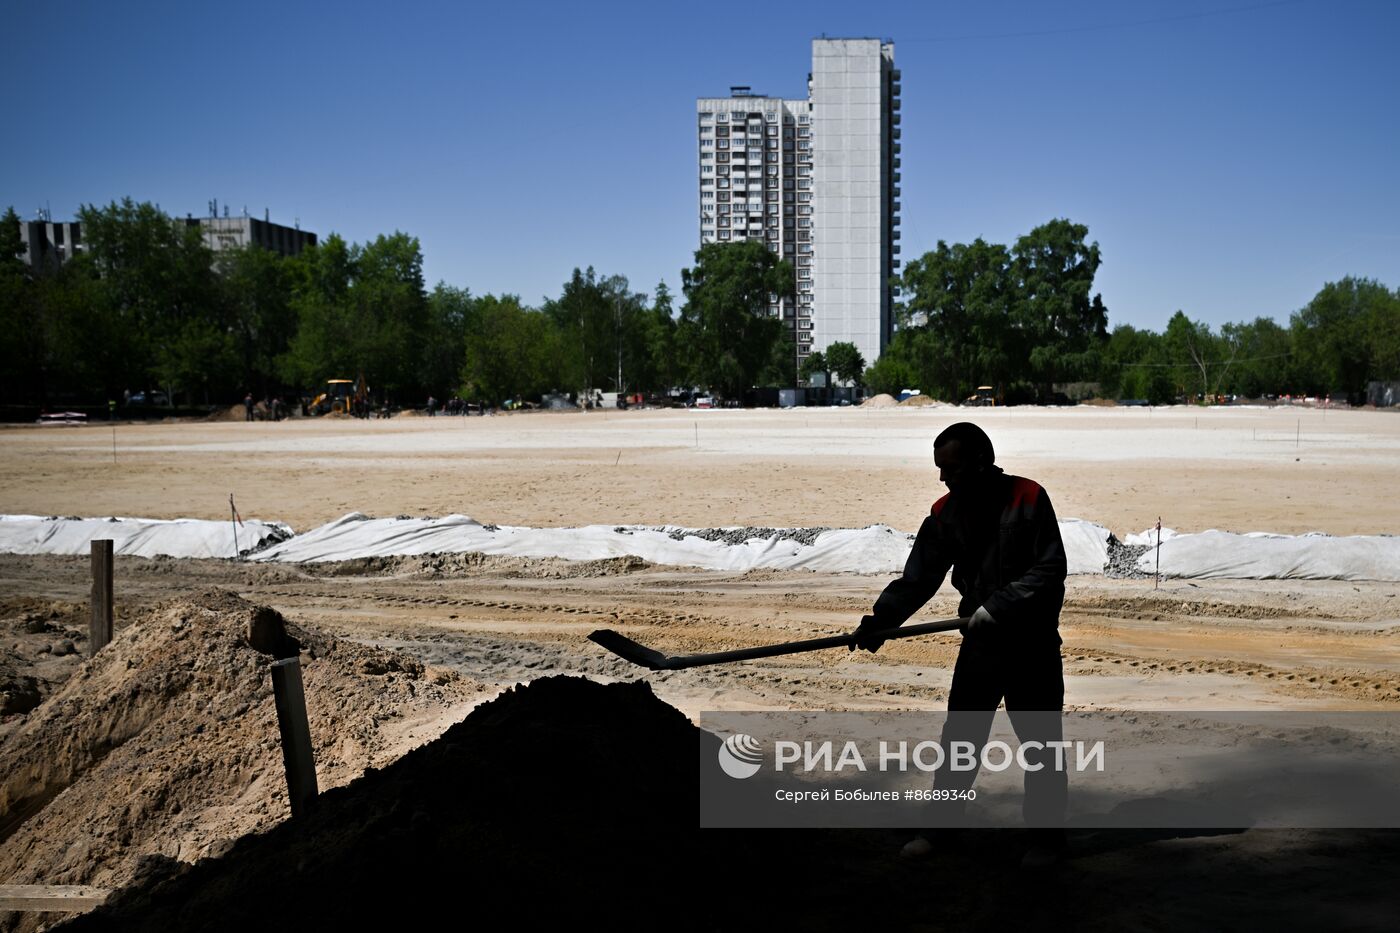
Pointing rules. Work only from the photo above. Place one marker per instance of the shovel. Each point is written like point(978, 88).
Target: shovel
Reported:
point(629, 650)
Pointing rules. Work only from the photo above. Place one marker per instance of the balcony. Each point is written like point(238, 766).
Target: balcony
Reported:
point(894, 118)
point(895, 132)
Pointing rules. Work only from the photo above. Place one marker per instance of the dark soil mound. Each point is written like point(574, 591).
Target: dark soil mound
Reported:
point(562, 797)
point(570, 802)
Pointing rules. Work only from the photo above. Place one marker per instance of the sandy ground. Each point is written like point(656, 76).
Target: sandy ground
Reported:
point(499, 621)
point(1283, 469)
point(1217, 644)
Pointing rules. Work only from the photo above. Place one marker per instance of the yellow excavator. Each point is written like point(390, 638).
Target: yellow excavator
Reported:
point(342, 395)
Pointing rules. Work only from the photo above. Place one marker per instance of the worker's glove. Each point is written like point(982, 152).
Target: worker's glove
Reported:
point(981, 621)
point(868, 635)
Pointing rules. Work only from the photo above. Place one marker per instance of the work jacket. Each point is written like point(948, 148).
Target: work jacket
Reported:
point(1003, 546)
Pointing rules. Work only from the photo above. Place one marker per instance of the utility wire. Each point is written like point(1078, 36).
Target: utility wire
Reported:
point(1248, 359)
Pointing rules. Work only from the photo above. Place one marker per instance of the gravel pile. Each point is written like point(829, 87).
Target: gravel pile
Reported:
point(737, 536)
point(1122, 560)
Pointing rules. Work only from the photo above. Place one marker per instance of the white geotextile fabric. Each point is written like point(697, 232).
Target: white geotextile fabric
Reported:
point(1086, 545)
point(140, 537)
point(877, 549)
point(1261, 556)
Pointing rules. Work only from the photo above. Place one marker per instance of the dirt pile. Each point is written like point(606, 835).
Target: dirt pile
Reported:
point(166, 744)
point(883, 400)
point(41, 644)
point(919, 401)
point(559, 795)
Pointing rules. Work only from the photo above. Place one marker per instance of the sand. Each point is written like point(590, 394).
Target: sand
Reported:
point(1236, 469)
point(499, 621)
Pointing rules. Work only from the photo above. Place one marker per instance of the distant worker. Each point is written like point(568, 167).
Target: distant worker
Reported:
point(248, 407)
point(999, 536)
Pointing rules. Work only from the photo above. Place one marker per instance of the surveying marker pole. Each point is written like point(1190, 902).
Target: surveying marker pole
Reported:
point(100, 624)
point(233, 520)
point(1157, 573)
point(296, 734)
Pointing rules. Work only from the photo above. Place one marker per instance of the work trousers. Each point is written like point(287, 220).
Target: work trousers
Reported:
point(1031, 681)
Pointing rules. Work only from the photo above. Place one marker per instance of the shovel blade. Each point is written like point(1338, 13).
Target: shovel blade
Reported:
point(629, 650)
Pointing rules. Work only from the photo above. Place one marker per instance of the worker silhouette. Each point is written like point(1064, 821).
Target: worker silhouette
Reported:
point(999, 536)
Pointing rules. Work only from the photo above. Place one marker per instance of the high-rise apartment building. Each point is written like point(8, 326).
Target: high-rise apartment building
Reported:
point(816, 181)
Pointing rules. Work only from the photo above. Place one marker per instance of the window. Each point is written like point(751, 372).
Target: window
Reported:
point(724, 234)
point(723, 144)
point(724, 196)
point(804, 196)
point(805, 119)
point(707, 170)
point(805, 183)
point(724, 182)
point(722, 118)
point(771, 117)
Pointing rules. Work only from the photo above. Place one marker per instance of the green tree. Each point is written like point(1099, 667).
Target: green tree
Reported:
point(890, 375)
point(451, 313)
point(845, 361)
point(1201, 359)
point(585, 316)
point(257, 292)
point(726, 331)
point(20, 345)
point(658, 367)
point(1264, 364)
point(360, 311)
point(509, 350)
point(1346, 336)
point(814, 363)
point(956, 321)
point(1061, 325)
point(161, 297)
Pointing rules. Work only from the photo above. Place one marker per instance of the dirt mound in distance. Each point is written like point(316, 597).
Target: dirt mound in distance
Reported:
point(166, 743)
point(883, 400)
point(231, 413)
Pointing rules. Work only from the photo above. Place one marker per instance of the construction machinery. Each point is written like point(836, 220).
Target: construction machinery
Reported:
point(342, 395)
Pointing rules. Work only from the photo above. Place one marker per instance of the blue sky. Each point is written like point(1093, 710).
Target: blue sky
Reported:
point(1228, 156)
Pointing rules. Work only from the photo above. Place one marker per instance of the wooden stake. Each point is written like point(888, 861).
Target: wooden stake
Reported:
point(100, 625)
point(297, 758)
